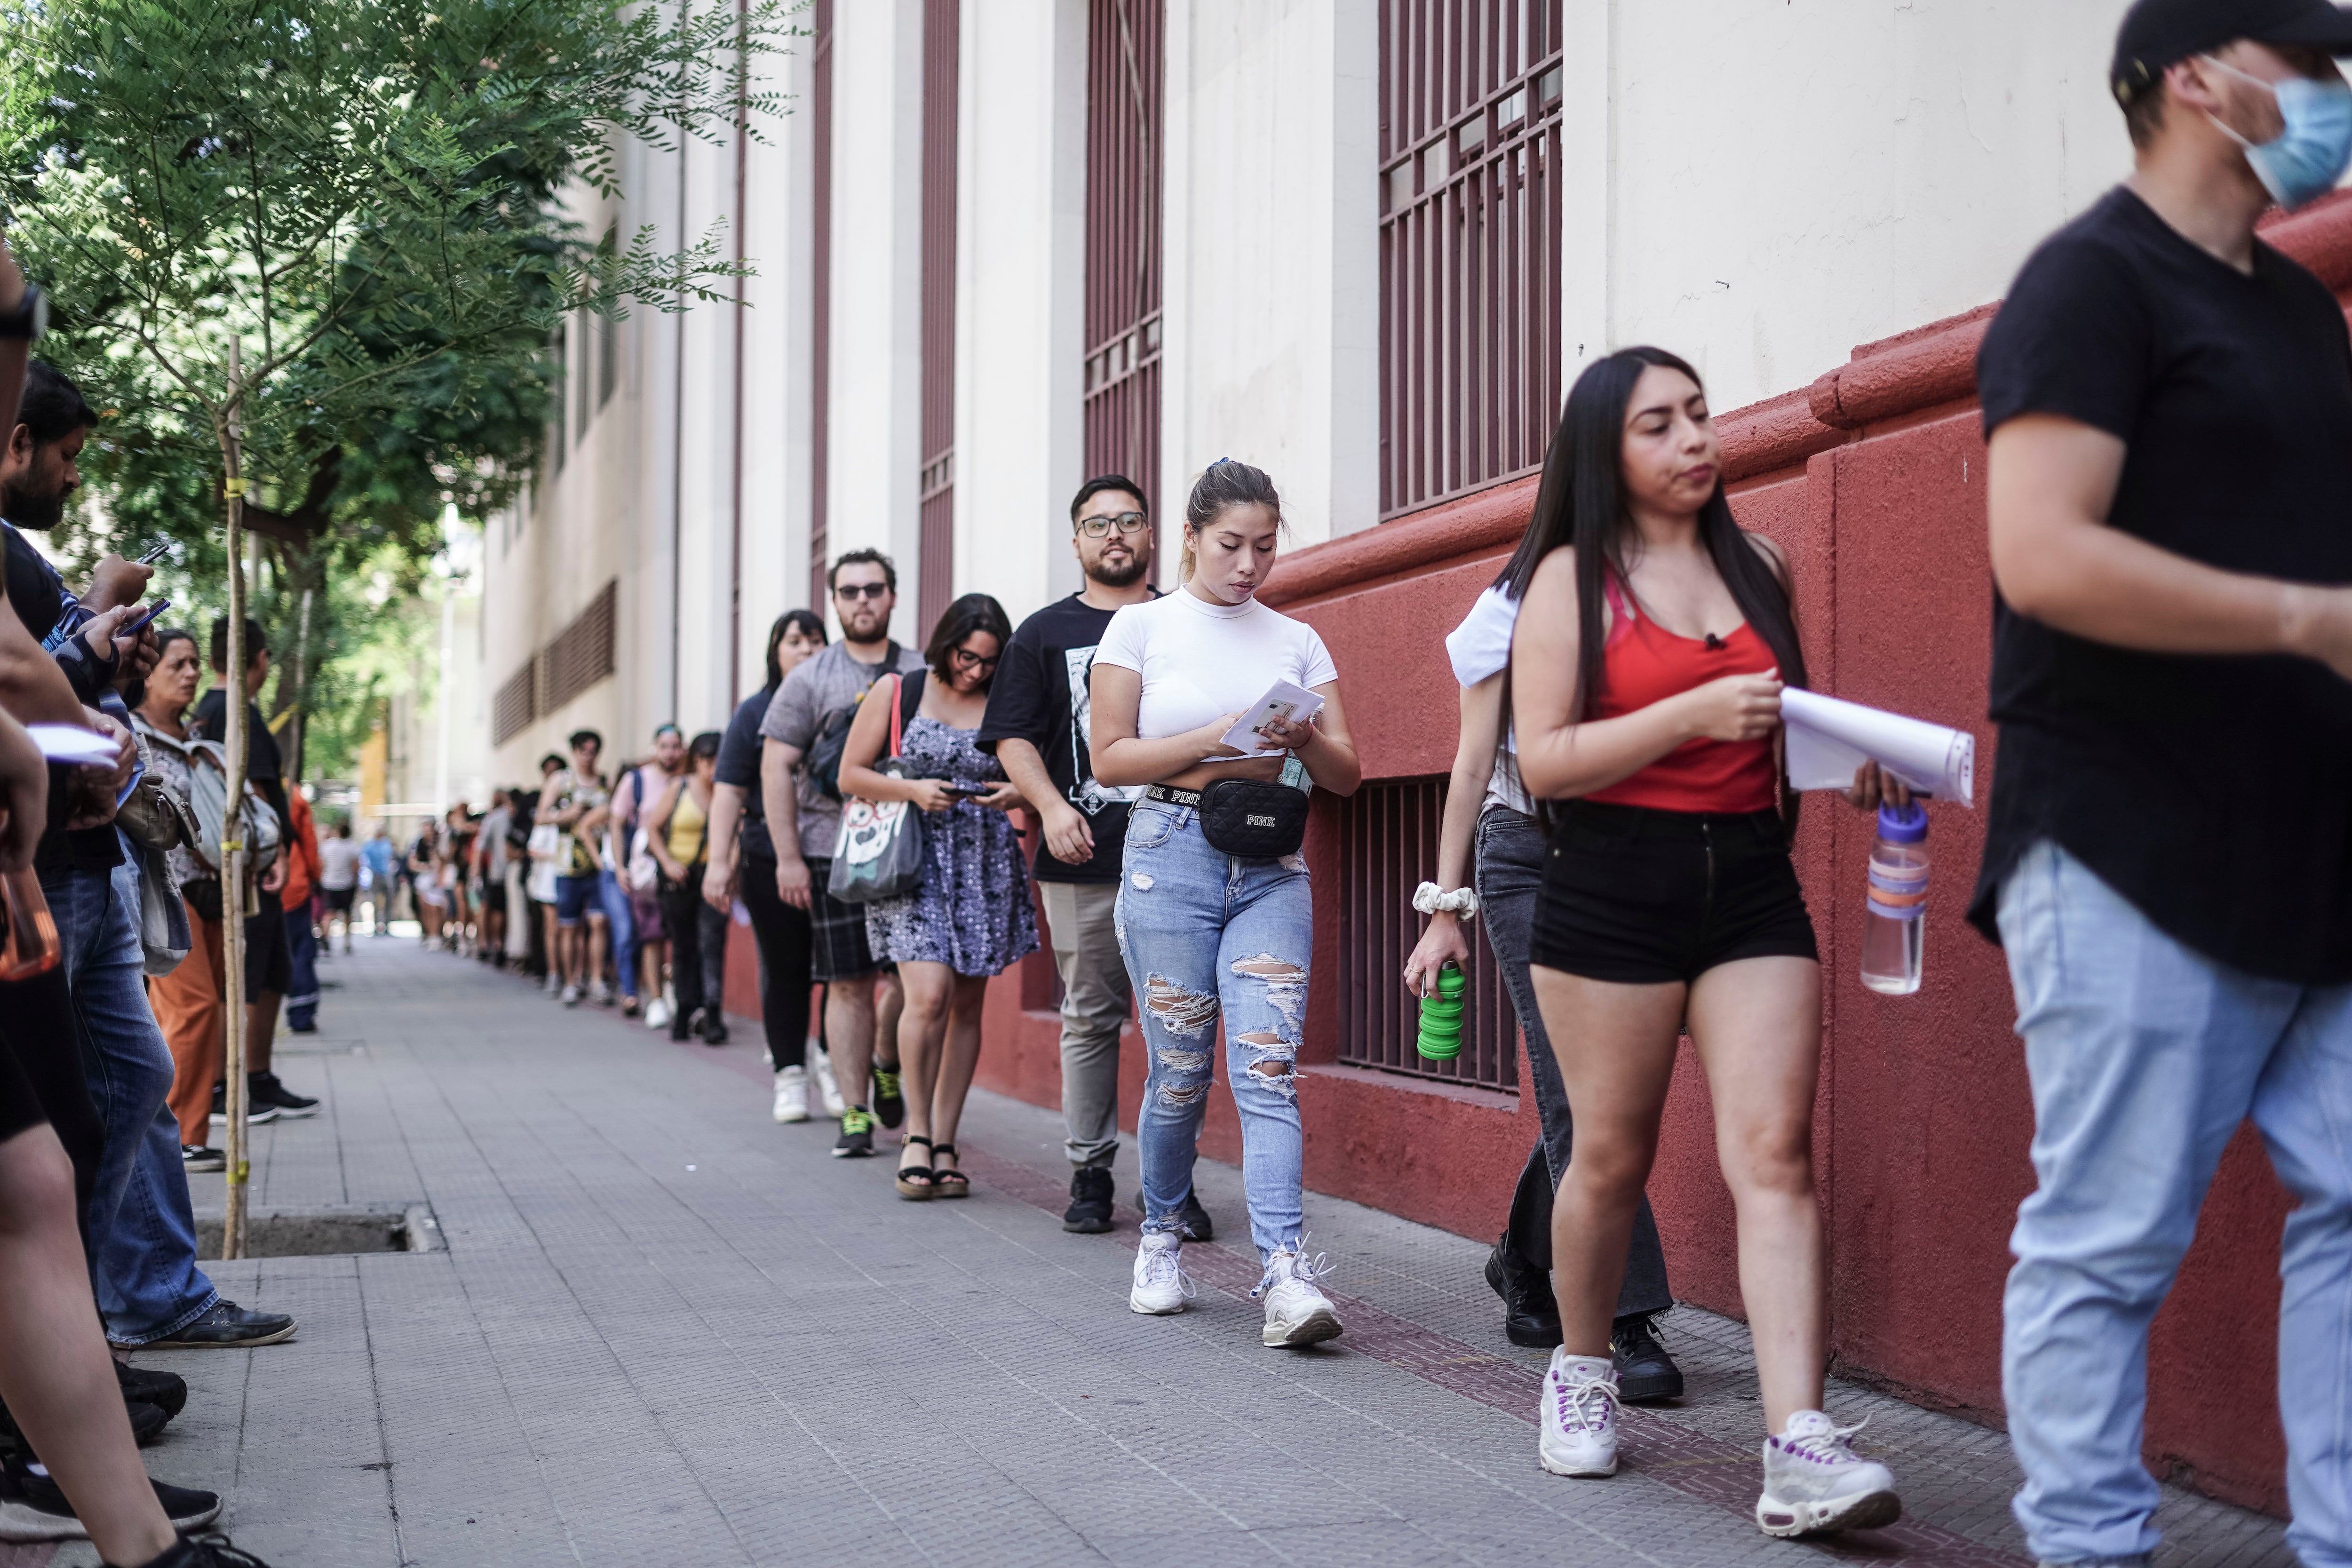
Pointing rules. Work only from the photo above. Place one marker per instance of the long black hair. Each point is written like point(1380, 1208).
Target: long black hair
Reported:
point(1581, 502)
point(807, 623)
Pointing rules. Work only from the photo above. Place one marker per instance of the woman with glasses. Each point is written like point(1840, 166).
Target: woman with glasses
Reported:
point(972, 916)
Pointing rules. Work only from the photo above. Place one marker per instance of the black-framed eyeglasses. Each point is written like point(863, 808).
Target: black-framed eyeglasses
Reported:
point(967, 659)
point(1126, 522)
point(861, 590)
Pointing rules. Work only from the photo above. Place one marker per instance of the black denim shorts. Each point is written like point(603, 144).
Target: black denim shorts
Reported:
point(1640, 897)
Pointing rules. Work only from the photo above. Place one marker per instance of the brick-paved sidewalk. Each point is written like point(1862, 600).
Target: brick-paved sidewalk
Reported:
point(666, 1331)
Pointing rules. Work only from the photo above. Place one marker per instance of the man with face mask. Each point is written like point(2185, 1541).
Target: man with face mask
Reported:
point(2168, 403)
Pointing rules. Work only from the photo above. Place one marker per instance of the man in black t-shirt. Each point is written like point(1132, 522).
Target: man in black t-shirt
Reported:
point(1036, 726)
point(2168, 859)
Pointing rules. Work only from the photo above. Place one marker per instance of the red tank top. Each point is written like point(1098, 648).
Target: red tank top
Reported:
point(1644, 663)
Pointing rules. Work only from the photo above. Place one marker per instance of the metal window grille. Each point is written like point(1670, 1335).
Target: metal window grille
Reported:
point(516, 704)
point(1470, 267)
point(1125, 67)
point(581, 653)
point(943, 21)
point(819, 293)
point(1387, 847)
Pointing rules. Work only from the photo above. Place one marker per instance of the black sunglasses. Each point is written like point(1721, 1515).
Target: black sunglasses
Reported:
point(861, 590)
point(1126, 522)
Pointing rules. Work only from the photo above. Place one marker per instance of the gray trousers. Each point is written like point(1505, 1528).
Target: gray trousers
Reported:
point(1510, 862)
point(1095, 1006)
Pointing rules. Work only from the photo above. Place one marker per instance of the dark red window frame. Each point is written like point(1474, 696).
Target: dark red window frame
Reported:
point(820, 294)
point(942, 26)
point(1126, 71)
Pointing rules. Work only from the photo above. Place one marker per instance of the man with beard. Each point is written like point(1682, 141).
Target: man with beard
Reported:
point(139, 1224)
point(813, 705)
point(1036, 726)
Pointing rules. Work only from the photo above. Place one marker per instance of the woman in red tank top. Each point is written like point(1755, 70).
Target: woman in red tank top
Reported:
point(1647, 666)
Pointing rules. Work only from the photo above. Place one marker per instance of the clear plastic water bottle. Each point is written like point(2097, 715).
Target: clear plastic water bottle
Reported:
point(1895, 917)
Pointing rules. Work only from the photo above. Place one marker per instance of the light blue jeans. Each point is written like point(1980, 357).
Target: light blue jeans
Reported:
point(620, 915)
point(139, 1222)
point(2145, 1055)
point(1207, 938)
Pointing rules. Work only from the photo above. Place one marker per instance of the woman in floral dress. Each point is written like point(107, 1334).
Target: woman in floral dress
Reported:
point(972, 915)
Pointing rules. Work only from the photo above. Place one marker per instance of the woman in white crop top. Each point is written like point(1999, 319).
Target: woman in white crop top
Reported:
point(1208, 936)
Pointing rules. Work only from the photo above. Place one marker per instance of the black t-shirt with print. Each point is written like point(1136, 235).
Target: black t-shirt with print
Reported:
point(2215, 793)
point(1039, 696)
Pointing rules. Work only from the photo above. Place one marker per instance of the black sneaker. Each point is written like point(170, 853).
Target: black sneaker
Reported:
point(263, 1088)
point(1092, 1196)
point(1530, 1312)
point(33, 1507)
point(168, 1391)
point(889, 1105)
point(199, 1158)
point(857, 1140)
point(1644, 1371)
point(228, 1327)
point(714, 1027)
point(1194, 1219)
point(257, 1113)
point(147, 1423)
point(210, 1551)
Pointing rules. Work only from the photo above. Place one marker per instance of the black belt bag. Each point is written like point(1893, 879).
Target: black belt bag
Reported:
point(1250, 819)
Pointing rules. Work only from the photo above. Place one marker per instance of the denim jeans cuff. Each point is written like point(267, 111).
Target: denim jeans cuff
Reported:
point(211, 1298)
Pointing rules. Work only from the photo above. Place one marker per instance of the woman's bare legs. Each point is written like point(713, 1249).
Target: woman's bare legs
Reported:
point(959, 1059)
point(930, 990)
point(55, 1372)
point(1757, 1028)
point(1616, 1050)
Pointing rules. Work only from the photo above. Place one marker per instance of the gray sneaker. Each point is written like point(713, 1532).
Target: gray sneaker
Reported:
point(227, 1326)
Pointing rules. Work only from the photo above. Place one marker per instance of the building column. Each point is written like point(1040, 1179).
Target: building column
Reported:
point(1020, 284)
point(1271, 351)
point(876, 413)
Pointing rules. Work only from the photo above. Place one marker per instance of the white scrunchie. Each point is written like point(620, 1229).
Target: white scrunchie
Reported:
point(1429, 898)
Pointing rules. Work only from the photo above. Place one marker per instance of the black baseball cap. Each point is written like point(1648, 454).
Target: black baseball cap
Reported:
point(2160, 32)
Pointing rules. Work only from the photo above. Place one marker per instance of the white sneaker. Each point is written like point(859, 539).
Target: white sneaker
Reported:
point(821, 1068)
point(601, 994)
point(658, 1014)
point(550, 985)
point(1296, 1312)
point(791, 1094)
point(572, 995)
point(1580, 1416)
point(1813, 1480)
point(1160, 1284)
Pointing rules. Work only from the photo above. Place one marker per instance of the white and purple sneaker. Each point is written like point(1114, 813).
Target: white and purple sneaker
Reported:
point(1815, 1481)
point(1580, 1416)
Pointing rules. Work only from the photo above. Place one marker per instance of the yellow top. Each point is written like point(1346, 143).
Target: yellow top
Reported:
point(688, 840)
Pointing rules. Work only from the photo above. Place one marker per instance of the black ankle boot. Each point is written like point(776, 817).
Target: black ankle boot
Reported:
point(1644, 1371)
point(1531, 1315)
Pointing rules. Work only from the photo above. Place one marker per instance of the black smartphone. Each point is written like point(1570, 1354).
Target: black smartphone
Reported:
point(132, 629)
point(968, 789)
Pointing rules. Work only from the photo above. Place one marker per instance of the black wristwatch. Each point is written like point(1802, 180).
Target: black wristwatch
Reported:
point(30, 319)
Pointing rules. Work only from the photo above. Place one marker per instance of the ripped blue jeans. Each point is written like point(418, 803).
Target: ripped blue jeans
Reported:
point(1210, 938)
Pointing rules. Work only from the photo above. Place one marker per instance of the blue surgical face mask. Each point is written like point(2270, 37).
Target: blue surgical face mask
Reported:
point(2311, 153)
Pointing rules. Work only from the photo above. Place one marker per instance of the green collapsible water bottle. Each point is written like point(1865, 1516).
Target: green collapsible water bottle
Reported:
point(1441, 1015)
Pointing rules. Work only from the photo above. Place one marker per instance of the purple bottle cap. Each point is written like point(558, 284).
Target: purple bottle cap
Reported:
point(1903, 824)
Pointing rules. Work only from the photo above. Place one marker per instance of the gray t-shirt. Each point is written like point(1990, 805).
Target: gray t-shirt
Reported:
point(828, 680)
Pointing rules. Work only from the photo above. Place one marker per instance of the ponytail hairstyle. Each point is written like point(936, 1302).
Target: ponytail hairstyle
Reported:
point(1226, 483)
point(1581, 502)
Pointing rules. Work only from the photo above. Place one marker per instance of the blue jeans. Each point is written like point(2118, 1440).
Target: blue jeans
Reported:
point(621, 915)
point(302, 963)
point(2145, 1055)
point(141, 1231)
point(1207, 936)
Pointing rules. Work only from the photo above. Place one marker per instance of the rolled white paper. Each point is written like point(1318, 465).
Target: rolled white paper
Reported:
point(1829, 739)
point(72, 743)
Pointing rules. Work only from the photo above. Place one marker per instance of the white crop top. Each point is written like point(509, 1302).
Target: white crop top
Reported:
point(1481, 646)
point(1201, 661)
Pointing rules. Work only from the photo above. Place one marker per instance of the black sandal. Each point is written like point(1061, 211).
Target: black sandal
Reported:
point(948, 1183)
point(916, 1183)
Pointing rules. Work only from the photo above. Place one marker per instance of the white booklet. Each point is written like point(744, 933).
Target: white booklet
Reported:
point(1283, 700)
point(1828, 739)
point(72, 743)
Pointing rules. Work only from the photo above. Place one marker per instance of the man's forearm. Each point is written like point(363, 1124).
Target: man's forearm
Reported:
point(1026, 769)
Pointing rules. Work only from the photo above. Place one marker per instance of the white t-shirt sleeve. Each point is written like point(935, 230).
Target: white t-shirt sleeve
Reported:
point(1481, 645)
point(1316, 660)
point(1123, 640)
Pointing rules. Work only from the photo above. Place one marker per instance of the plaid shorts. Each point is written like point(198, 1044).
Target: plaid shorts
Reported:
point(837, 948)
